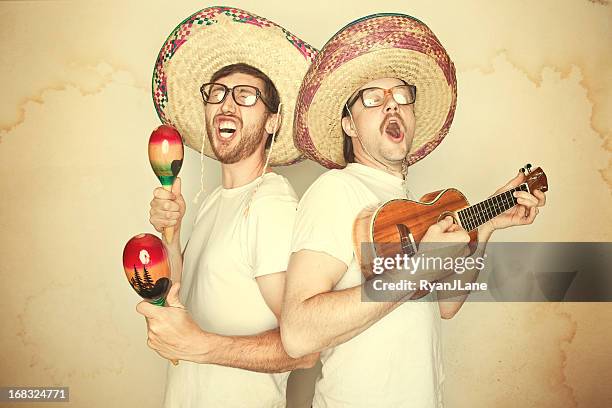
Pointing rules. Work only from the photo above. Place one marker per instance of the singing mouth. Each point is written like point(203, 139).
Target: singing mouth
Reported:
point(393, 129)
point(226, 127)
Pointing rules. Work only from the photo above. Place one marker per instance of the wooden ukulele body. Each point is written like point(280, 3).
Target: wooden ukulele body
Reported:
point(398, 225)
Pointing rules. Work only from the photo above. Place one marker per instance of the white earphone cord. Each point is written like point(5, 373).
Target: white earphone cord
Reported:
point(276, 126)
point(195, 200)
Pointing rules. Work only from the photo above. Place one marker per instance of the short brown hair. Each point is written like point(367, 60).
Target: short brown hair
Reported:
point(270, 93)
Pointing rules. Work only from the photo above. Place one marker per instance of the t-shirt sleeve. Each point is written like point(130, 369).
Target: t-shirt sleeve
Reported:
point(270, 229)
point(325, 217)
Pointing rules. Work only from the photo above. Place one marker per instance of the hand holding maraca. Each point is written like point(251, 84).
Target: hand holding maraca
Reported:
point(146, 267)
point(168, 209)
point(172, 333)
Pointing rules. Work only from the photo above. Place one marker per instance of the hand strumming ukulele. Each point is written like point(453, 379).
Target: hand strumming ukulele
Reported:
point(404, 222)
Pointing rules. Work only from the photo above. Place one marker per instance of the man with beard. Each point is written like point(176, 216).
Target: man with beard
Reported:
point(379, 97)
point(224, 326)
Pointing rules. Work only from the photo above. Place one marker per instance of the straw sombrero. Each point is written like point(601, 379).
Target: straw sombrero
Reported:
point(375, 46)
point(216, 37)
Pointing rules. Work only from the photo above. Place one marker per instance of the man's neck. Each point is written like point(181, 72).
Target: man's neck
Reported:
point(242, 172)
point(393, 169)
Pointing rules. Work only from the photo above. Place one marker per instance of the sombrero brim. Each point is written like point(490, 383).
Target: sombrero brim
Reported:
point(216, 37)
point(375, 47)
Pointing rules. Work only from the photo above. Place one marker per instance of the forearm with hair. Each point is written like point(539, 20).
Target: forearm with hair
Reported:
point(262, 352)
point(331, 318)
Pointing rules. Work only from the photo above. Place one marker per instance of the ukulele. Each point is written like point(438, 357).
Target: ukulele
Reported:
point(397, 226)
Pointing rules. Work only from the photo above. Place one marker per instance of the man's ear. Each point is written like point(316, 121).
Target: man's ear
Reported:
point(347, 126)
point(273, 123)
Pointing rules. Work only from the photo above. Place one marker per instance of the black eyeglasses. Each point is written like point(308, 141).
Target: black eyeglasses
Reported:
point(373, 97)
point(243, 95)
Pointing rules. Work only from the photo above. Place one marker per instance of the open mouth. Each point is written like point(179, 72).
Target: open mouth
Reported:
point(394, 130)
point(226, 128)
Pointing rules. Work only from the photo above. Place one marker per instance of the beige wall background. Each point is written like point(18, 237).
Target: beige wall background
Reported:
point(535, 85)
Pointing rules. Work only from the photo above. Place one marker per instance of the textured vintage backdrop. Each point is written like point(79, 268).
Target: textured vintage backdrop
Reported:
point(535, 85)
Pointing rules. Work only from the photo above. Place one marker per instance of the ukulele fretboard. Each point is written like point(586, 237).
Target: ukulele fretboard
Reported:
point(475, 215)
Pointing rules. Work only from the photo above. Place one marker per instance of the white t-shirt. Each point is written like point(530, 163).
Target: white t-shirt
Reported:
point(397, 362)
point(227, 250)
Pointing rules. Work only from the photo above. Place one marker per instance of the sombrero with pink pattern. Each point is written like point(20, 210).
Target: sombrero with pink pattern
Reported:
point(375, 46)
point(213, 38)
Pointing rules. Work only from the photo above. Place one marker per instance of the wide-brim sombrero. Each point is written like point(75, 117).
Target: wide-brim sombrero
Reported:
point(216, 37)
point(375, 46)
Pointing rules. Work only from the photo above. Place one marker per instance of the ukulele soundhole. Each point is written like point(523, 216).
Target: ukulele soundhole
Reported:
point(406, 240)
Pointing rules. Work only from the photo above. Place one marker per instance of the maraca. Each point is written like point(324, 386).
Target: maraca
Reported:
point(166, 158)
point(146, 266)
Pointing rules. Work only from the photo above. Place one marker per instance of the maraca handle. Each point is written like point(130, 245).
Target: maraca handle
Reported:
point(168, 231)
point(161, 302)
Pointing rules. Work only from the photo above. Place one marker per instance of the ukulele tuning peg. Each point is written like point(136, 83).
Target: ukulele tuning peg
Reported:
point(528, 167)
point(522, 170)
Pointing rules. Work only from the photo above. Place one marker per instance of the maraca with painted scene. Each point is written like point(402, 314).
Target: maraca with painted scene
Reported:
point(166, 157)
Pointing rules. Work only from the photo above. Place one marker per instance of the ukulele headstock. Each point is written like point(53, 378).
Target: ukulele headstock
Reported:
point(535, 179)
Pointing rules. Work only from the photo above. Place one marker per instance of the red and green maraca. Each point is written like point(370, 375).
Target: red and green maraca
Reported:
point(147, 268)
point(166, 158)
